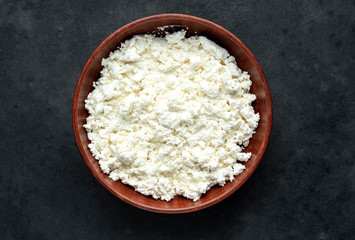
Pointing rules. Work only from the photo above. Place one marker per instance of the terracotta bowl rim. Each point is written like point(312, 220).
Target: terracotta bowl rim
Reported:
point(264, 83)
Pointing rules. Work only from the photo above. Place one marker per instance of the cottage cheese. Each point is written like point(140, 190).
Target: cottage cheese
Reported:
point(170, 116)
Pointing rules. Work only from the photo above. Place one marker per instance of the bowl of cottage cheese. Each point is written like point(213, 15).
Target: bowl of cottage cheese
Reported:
point(172, 113)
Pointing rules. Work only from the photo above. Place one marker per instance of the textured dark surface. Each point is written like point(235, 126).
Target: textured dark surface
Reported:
point(304, 187)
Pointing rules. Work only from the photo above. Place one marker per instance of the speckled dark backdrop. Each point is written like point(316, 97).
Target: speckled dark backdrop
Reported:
point(304, 187)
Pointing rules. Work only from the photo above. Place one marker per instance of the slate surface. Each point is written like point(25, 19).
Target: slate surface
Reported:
point(304, 187)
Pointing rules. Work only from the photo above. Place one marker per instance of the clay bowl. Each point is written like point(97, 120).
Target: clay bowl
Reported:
point(246, 61)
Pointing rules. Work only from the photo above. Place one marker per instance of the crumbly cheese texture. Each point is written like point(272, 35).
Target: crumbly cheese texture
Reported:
point(170, 116)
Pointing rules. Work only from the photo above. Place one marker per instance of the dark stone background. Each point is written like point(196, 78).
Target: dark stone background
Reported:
point(304, 187)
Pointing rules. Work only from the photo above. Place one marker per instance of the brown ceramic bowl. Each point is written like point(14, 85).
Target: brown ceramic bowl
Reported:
point(246, 61)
